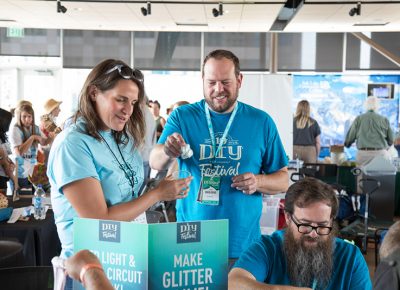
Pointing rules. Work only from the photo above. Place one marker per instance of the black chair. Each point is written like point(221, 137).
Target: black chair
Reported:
point(165, 208)
point(154, 217)
point(27, 278)
point(323, 171)
point(11, 254)
point(368, 223)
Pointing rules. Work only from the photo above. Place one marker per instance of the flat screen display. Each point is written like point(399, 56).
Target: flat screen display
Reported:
point(385, 91)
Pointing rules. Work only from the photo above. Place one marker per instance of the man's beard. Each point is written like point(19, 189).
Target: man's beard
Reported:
point(230, 101)
point(306, 264)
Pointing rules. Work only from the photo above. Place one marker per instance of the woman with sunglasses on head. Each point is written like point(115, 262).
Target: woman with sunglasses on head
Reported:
point(94, 167)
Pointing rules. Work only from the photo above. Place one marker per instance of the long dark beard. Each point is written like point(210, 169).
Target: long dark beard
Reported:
point(306, 264)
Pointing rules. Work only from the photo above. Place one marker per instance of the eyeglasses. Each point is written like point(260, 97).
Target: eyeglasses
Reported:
point(307, 228)
point(126, 72)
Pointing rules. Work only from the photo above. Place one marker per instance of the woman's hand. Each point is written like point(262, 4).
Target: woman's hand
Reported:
point(40, 139)
point(11, 164)
point(170, 189)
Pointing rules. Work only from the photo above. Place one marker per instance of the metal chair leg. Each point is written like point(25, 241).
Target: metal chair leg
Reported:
point(164, 210)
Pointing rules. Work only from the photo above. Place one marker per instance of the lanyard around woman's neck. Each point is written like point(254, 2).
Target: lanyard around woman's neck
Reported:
point(211, 129)
point(129, 178)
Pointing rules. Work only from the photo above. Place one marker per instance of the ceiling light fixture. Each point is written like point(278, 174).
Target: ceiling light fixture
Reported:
point(60, 7)
point(146, 11)
point(355, 10)
point(218, 12)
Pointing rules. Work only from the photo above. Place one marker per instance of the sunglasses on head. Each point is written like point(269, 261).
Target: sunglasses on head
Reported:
point(126, 72)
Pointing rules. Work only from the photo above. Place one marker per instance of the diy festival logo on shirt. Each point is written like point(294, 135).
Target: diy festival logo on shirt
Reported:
point(227, 161)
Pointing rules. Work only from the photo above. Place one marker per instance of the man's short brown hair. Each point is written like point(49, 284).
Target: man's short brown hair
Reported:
point(310, 190)
point(220, 54)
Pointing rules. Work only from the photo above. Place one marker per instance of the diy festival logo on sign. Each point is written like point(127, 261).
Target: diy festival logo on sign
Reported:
point(188, 232)
point(184, 256)
point(109, 231)
point(190, 256)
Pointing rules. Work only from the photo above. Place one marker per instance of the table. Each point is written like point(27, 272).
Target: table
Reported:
point(39, 237)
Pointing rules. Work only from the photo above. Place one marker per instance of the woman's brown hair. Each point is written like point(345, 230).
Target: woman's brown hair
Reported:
point(27, 109)
point(103, 81)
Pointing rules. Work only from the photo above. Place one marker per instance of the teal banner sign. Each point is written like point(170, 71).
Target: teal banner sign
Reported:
point(185, 256)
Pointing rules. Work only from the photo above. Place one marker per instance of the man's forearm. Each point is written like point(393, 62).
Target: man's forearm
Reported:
point(159, 160)
point(273, 183)
point(245, 283)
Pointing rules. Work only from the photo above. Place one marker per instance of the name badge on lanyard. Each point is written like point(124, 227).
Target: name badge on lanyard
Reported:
point(209, 189)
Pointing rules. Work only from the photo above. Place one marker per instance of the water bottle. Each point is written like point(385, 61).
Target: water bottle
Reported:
point(39, 212)
point(297, 164)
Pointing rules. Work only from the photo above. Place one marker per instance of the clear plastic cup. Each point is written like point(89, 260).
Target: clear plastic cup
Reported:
point(179, 175)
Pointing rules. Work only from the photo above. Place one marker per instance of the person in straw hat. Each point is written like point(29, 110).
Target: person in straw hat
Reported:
point(48, 126)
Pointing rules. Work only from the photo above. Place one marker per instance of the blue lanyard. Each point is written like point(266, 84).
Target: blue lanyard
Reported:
point(211, 129)
point(314, 285)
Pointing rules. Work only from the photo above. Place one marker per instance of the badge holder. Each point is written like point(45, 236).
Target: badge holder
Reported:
point(209, 190)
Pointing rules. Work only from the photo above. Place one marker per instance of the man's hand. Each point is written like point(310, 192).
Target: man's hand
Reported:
point(246, 182)
point(173, 145)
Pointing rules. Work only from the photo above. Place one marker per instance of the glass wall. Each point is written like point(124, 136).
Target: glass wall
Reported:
point(361, 56)
point(183, 51)
point(167, 50)
point(171, 60)
point(252, 49)
point(86, 48)
point(310, 52)
point(30, 42)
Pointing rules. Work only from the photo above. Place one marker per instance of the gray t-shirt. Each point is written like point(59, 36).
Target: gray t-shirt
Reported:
point(307, 135)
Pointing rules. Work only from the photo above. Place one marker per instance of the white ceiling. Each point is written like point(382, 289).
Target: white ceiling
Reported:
point(238, 17)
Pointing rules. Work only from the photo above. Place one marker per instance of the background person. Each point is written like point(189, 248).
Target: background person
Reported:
point(174, 166)
point(178, 104)
point(48, 125)
point(306, 254)
point(387, 274)
point(25, 138)
point(95, 169)
point(160, 121)
point(396, 142)
point(14, 113)
point(391, 242)
point(242, 159)
point(149, 141)
point(371, 132)
point(306, 134)
point(6, 165)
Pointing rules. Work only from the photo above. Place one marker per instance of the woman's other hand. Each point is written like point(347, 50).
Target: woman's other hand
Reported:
point(170, 189)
